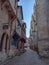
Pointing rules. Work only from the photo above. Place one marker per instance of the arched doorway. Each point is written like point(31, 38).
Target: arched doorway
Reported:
point(1, 43)
point(4, 45)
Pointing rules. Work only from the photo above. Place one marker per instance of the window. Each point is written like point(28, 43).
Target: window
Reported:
point(5, 26)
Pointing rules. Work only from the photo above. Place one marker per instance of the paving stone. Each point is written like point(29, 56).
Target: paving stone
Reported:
point(28, 58)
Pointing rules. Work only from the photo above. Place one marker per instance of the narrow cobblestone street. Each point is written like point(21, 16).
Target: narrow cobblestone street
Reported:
point(24, 32)
point(28, 58)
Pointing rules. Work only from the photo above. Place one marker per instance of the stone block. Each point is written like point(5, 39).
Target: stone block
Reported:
point(42, 33)
point(43, 47)
point(12, 51)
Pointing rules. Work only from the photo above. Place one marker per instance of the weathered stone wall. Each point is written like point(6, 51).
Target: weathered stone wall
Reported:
point(4, 18)
point(18, 28)
point(42, 24)
point(13, 5)
point(33, 29)
point(15, 23)
point(20, 14)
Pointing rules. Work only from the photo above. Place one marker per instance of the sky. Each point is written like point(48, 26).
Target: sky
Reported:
point(28, 6)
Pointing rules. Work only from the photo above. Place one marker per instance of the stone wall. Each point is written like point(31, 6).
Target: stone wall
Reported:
point(4, 19)
point(42, 24)
point(13, 5)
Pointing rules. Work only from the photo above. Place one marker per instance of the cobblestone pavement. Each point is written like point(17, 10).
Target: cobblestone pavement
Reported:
point(28, 58)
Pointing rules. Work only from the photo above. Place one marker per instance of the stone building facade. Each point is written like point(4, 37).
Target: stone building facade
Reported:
point(7, 16)
point(42, 20)
point(33, 30)
point(10, 19)
point(42, 26)
point(23, 37)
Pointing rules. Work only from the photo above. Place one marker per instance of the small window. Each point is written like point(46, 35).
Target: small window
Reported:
point(5, 26)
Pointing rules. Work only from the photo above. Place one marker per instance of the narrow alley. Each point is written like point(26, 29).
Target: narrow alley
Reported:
point(24, 32)
point(28, 58)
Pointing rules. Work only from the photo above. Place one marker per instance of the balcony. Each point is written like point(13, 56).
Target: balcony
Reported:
point(7, 5)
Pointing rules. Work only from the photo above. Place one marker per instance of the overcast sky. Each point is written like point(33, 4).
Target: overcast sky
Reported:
point(27, 6)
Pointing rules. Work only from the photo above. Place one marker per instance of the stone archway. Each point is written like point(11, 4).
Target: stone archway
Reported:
point(7, 44)
point(1, 43)
point(4, 45)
